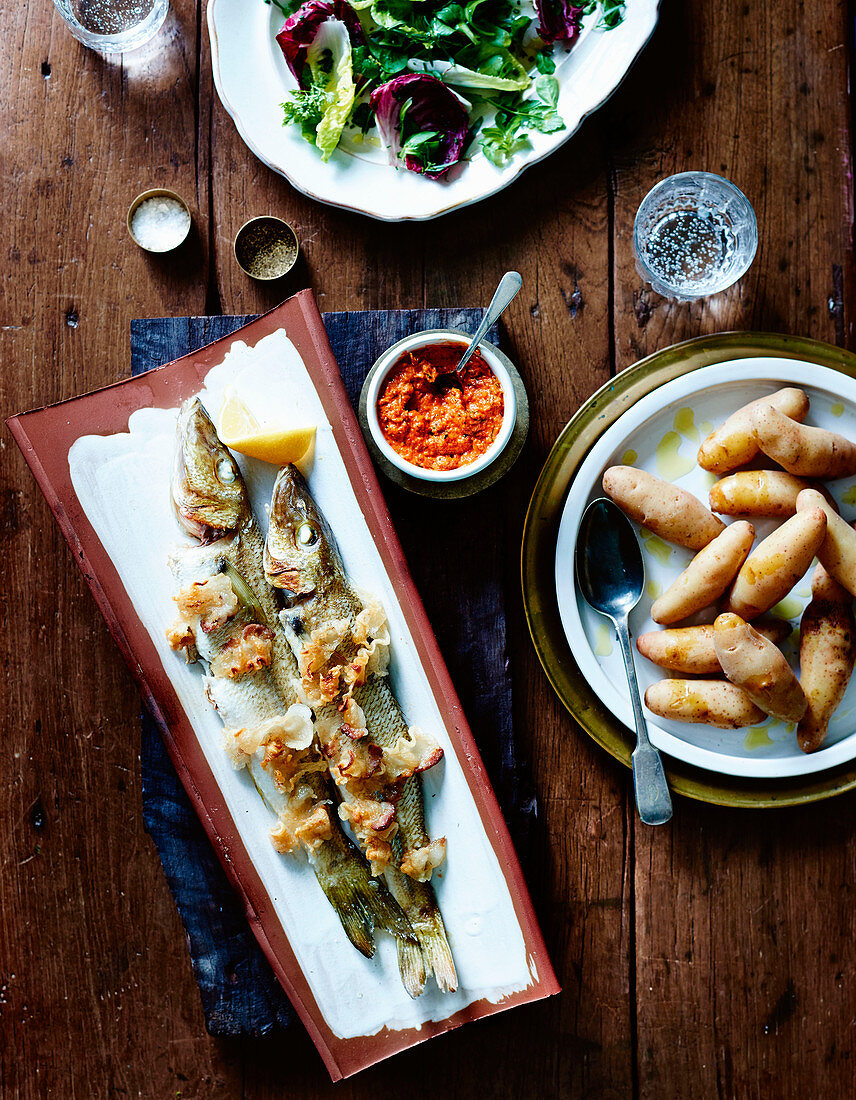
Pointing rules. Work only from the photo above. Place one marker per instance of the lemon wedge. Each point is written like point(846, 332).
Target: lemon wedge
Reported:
point(236, 422)
point(240, 430)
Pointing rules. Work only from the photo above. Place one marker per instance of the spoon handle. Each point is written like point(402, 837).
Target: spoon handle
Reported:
point(509, 285)
point(649, 779)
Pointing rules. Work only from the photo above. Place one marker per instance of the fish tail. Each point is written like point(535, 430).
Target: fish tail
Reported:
point(352, 915)
point(362, 903)
point(411, 966)
point(419, 902)
point(438, 954)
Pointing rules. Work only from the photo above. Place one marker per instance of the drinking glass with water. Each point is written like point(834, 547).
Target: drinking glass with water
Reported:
point(113, 26)
point(695, 234)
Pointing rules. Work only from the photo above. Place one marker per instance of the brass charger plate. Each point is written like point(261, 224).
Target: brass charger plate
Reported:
point(539, 547)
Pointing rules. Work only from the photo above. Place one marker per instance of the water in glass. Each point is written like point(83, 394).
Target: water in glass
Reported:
point(113, 26)
point(695, 234)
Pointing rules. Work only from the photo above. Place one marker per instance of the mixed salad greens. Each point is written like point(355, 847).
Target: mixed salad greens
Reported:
point(431, 75)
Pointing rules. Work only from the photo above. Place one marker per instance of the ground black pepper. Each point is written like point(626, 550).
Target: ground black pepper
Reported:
point(266, 248)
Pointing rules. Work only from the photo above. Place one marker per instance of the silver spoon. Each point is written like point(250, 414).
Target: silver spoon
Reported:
point(611, 576)
point(508, 287)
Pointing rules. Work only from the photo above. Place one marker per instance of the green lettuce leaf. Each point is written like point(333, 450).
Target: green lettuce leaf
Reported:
point(513, 76)
point(329, 58)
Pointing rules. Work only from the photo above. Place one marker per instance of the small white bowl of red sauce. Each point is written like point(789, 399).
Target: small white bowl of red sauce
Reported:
point(432, 430)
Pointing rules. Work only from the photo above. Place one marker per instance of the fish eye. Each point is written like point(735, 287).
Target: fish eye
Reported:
point(306, 535)
point(225, 470)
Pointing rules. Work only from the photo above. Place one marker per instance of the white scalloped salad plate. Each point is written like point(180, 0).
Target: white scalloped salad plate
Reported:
point(253, 80)
point(661, 434)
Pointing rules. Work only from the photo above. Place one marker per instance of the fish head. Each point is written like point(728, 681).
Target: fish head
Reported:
point(208, 490)
point(300, 551)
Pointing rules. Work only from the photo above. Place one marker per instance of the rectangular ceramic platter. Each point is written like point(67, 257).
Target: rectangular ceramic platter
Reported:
point(104, 461)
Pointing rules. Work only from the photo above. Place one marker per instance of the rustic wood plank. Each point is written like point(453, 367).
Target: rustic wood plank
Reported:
point(744, 921)
point(97, 997)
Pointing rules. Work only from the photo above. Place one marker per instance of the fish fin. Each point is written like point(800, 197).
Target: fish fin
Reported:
point(362, 903)
point(385, 911)
point(352, 914)
point(438, 953)
point(419, 902)
point(411, 965)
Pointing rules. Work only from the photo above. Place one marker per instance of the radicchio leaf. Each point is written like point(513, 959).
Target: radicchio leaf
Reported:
point(558, 21)
point(300, 30)
point(429, 108)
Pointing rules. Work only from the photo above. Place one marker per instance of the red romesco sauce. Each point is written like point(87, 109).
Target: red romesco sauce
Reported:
point(440, 428)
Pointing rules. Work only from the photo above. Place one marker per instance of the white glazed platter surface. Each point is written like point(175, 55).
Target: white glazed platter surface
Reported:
point(253, 80)
point(699, 400)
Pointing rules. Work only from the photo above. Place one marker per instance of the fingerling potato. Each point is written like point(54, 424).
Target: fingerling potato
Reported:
point(777, 563)
point(757, 666)
point(710, 702)
point(837, 553)
point(757, 493)
point(672, 513)
point(733, 443)
point(827, 656)
point(690, 649)
point(800, 449)
point(707, 576)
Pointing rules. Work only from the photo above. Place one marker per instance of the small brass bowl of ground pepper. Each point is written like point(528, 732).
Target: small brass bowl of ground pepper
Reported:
point(266, 248)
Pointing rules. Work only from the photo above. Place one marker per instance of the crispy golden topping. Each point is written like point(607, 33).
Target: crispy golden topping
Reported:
point(314, 829)
point(289, 769)
point(322, 644)
point(411, 754)
point(373, 822)
point(247, 650)
point(282, 835)
point(326, 674)
point(419, 863)
point(351, 758)
point(370, 633)
point(378, 853)
point(301, 823)
point(209, 603)
point(327, 683)
point(368, 814)
point(180, 636)
point(290, 731)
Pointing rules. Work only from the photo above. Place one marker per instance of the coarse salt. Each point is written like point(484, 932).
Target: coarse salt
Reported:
point(160, 223)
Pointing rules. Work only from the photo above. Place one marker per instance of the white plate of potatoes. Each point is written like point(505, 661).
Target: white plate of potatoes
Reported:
point(661, 436)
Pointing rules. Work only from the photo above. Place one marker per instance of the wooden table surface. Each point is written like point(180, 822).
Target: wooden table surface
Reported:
point(714, 956)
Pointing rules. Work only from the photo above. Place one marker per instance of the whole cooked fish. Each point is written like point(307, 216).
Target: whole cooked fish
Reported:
point(341, 643)
point(227, 616)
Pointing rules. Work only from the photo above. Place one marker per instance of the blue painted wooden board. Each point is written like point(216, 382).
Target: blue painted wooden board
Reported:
point(461, 580)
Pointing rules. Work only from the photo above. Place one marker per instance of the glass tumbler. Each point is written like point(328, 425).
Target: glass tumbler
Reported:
point(113, 26)
point(695, 234)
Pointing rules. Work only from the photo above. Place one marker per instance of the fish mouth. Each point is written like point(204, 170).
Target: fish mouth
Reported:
point(208, 491)
point(287, 577)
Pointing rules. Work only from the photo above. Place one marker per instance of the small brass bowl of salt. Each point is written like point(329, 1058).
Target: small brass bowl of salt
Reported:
point(266, 248)
point(159, 220)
